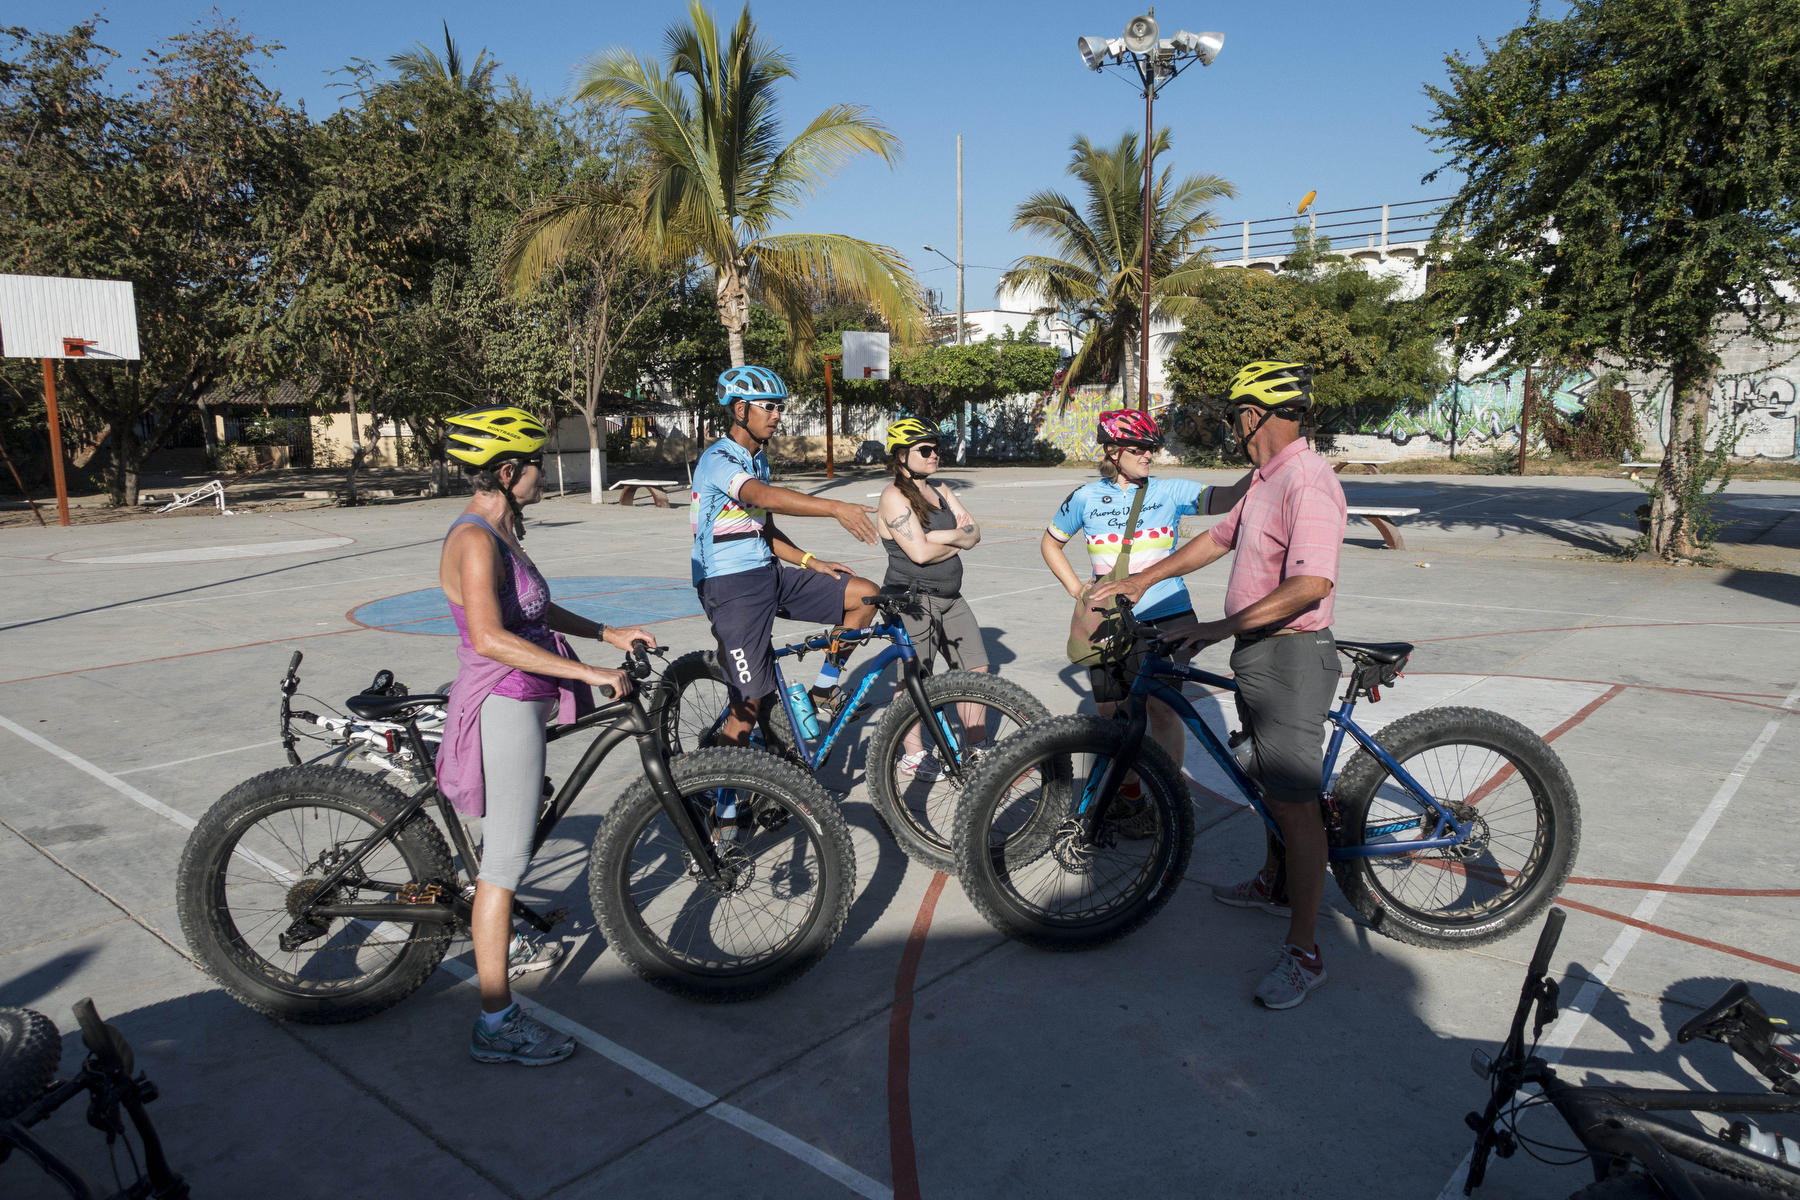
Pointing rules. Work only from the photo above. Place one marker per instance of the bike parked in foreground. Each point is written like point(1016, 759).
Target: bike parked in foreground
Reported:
point(1451, 827)
point(30, 1049)
point(323, 894)
point(968, 712)
point(1636, 1154)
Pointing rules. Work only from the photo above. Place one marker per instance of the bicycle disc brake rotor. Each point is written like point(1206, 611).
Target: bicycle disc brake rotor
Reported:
point(1070, 846)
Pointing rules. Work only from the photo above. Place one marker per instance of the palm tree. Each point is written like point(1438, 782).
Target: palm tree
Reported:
point(1093, 276)
point(422, 65)
point(718, 178)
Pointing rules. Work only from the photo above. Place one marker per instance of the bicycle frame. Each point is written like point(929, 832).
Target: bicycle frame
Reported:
point(911, 679)
point(1150, 684)
point(625, 718)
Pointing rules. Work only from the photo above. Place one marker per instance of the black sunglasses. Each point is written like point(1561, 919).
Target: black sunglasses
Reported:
point(927, 451)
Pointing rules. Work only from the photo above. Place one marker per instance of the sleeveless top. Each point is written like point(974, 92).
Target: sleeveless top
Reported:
point(943, 578)
point(524, 598)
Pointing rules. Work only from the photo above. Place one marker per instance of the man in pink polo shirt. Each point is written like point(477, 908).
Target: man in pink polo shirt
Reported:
point(1287, 532)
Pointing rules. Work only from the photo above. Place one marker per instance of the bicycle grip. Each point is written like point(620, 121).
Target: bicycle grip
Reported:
point(1546, 945)
point(294, 662)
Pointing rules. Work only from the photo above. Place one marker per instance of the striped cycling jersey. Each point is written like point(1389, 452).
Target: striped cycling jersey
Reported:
point(1099, 511)
point(728, 534)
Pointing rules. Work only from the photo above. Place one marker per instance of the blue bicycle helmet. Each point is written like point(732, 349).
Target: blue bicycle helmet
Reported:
point(750, 383)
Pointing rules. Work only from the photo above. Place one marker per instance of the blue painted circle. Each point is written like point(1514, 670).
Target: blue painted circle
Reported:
point(611, 599)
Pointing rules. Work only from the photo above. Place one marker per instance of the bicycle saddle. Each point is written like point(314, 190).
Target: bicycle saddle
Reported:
point(382, 708)
point(1386, 653)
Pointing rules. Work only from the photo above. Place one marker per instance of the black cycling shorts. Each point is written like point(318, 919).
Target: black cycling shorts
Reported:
point(742, 609)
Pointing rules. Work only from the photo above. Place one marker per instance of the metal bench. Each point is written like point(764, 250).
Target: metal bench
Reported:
point(658, 490)
point(1372, 466)
point(1383, 520)
point(1633, 469)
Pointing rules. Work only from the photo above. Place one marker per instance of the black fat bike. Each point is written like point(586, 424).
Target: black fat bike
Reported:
point(1636, 1153)
point(323, 894)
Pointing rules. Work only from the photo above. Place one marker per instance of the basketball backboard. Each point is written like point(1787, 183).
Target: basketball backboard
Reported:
point(865, 355)
point(45, 317)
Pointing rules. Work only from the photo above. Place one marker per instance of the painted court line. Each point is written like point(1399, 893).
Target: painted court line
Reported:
point(196, 758)
point(1575, 1014)
point(642, 1067)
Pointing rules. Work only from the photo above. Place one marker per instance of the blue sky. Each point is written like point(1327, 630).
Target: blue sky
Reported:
point(1306, 95)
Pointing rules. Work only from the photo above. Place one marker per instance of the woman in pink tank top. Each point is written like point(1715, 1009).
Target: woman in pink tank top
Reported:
point(516, 670)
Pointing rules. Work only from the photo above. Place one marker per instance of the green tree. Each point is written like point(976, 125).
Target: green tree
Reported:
point(1372, 350)
point(719, 177)
point(1632, 186)
point(175, 189)
point(1093, 276)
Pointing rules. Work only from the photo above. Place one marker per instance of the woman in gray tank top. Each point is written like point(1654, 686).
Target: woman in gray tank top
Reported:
point(925, 530)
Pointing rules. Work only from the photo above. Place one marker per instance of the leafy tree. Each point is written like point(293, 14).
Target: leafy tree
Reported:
point(1632, 186)
point(719, 178)
point(175, 190)
point(935, 382)
point(1093, 276)
point(1371, 349)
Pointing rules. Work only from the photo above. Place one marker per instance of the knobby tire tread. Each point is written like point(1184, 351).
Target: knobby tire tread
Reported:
point(749, 770)
point(1359, 782)
point(30, 1049)
point(923, 846)
point(357, 793)
point(1066, 736)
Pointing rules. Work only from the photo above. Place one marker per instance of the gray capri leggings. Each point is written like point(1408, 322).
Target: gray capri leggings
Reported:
point(512, 768)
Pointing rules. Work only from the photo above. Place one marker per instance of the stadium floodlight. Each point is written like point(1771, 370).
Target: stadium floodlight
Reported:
point(1203, 46)
point(1157, 60)
point(1094, 51)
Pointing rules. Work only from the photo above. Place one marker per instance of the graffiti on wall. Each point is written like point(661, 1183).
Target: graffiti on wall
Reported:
point(1762, 409)
point(1471, 411)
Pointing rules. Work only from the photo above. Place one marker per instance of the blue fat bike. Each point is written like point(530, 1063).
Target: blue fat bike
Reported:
point(1451, 827)
point(917, 765)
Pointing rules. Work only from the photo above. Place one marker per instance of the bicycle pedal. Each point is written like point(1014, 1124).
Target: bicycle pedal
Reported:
point(419, 893)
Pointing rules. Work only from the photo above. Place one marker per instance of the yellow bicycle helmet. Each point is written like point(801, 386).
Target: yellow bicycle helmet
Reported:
point(909, 431)
point(1270, 384)
point(482, 437)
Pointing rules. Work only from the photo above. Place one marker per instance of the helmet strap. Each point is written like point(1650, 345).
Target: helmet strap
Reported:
point(744, 420)
point(1119, 467)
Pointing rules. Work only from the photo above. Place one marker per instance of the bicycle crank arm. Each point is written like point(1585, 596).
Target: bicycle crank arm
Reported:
point(430, 912)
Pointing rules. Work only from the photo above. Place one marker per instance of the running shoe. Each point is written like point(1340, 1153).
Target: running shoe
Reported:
point(1294, 974)
point(520, 1039)
point(526, 955)
point(920, 764)
point(1253, 893)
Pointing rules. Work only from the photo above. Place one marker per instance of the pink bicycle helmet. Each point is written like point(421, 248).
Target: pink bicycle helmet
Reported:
point(1129, 427)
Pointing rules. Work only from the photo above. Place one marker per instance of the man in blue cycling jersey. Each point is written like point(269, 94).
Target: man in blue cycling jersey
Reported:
point(736, 548)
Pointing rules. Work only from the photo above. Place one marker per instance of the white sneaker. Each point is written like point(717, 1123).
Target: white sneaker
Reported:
point(525, 955)
point(1288, 982)
point(919, 765)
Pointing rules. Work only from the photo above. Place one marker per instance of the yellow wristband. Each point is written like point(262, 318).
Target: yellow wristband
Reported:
point(806, 558)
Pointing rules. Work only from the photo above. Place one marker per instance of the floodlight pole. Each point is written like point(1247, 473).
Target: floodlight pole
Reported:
point(56, 462)
point(1149, 72)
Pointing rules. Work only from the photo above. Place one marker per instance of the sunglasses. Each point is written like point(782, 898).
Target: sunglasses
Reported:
point(927, 451)
point(1138, 447)
point(768, 406)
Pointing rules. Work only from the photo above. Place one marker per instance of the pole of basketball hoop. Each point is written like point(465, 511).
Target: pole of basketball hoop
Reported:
point(830, 469)
point(56, 454)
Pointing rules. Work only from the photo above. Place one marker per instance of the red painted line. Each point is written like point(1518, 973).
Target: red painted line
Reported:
point(1689, 938)
point(1677, 889)
point(1506, 772)
point(900, 1131)
point(138, 662)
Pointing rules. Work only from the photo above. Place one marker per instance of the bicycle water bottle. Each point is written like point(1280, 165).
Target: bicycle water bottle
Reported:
point(802, 707)
point(1778, 1146)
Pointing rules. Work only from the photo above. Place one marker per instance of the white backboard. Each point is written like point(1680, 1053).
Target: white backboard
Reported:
point(865, 355)
point(39, 312)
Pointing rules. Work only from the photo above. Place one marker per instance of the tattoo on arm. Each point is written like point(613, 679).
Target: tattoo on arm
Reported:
point(968, 527)
point(902, 524)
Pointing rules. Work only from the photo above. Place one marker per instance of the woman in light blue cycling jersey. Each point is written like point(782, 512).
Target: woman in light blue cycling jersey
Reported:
point(1099, 513)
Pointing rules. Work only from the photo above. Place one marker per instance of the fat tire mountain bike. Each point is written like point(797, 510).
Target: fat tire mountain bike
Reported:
point(918, 811)
point(322, 894)
point(1636, 1154)
point(1451, 827)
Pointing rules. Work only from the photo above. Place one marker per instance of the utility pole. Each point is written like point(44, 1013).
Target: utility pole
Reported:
point(962, 334)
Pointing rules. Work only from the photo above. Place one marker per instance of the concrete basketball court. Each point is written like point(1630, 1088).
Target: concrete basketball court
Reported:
point(926, 1056)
